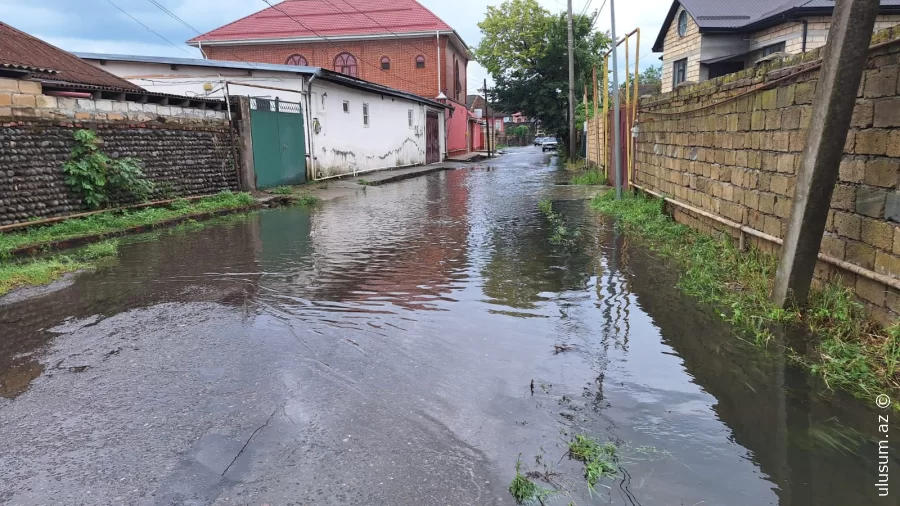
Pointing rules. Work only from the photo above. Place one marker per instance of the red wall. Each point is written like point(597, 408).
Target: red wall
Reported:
point(457, 128)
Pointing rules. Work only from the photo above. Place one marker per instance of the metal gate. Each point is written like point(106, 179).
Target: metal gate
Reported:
point(432, 139)
point(279, 142)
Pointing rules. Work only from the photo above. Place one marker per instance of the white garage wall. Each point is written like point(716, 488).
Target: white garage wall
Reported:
point(343, 144)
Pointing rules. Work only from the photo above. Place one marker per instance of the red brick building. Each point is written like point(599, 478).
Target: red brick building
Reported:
point(400, 44)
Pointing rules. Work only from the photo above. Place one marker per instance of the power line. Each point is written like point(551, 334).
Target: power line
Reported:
point(188, 25)
point(418, 85)
point(148, 28)
point(410, 44)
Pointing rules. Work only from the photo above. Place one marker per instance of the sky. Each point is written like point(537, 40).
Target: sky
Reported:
point(99, 26)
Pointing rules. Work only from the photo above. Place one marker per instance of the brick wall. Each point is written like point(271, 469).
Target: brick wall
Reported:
point(186, 151)
point(739, 160)
point(403, 74)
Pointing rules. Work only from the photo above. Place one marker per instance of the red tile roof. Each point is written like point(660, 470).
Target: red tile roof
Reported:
point(18, 50)
point(315, 18)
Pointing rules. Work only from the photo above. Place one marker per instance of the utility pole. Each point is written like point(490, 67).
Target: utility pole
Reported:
point(617, 138)
point(487, 118)
point(832, 109)
point(571, 86)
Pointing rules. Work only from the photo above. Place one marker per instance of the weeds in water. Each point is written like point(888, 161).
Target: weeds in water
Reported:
point(590, 178)
point(39, 272)
point(600, 460)
point(282, 190)
point(98, 250)
point(363, 182)
point(525, 491)
point(853, 353)
point(114, 221)
point(562, 236)
point(307, 199)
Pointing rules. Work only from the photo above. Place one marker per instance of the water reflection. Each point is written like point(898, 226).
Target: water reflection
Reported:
point(466, 301)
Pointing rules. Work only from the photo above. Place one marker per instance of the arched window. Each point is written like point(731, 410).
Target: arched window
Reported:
point(385, 63)
point(682, 23)
point(420, 62)
point(297, 59)
point(345, 63)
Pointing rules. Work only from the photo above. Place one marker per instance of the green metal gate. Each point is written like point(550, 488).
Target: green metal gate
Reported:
point(279, 143)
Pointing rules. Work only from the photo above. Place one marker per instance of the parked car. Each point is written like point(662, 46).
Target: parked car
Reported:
point(538, 141)
point(549, 144)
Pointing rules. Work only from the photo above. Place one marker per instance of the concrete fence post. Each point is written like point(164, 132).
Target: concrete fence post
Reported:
point(835, 97)
point(247, 175)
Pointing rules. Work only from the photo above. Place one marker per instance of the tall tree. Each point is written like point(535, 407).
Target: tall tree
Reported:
point(525, 50)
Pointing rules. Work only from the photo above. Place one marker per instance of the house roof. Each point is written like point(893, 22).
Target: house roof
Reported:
point(724, 16)
point(294, 19)
point(320, 73)
point(22, 52)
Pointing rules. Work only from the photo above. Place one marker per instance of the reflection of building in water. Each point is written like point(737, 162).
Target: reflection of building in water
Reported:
point(183, 266)
point(769, 406)
point(406, 246)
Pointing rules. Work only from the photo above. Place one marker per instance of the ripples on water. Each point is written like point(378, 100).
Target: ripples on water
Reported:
point(441, 296)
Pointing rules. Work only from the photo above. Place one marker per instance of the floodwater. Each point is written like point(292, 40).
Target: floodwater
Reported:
point(407, 345)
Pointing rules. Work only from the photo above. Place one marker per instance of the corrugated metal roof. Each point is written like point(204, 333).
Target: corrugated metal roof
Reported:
point(320, 73)
point(48, 62)
point(737, 15)
point(314, 18)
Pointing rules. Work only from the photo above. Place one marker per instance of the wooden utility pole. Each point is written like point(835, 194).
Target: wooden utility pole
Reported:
point(571, 85)
point(842, 65)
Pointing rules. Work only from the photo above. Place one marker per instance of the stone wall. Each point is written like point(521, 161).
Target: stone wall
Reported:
point(185, 151)
point(729, 148)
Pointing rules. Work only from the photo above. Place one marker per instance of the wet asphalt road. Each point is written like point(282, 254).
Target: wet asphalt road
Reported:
point(381, 349)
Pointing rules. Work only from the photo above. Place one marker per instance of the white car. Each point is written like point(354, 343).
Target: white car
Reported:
point(549, 144)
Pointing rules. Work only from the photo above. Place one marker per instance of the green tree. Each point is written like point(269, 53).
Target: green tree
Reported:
point(524, 48)
point(652, 75)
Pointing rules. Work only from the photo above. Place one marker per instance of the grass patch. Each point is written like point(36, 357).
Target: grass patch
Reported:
point(38, 272)
point(525, 491)
point(852, 353)
point(562, 235)
point(115, 221)
point(590, 178)
point(98, 250)
point(282, 190)
point(307, 200)
point(600, 460)
point(363, 182)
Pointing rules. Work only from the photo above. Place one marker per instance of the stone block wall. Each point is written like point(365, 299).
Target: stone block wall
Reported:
point(731, 146)
point(185, 151)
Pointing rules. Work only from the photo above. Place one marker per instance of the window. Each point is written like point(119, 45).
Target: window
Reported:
point(385, 63)
point(420, 62)
point(774, 48)
point(345, 63)
point(679, 72)
point(682, 23)
point(346, 106)
point(458, 88)
point(498, 124)
point(409, 114)
point(365, 114)
point(297, 59)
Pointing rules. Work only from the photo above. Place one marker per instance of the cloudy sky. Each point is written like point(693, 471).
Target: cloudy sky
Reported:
point(98, 26)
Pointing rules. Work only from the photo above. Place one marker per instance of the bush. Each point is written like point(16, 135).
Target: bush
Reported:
point(99, 179)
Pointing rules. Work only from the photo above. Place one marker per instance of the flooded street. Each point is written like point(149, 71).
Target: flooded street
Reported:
point(405, 346)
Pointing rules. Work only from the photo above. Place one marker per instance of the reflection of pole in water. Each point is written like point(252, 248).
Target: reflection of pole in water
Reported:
point(617, 312)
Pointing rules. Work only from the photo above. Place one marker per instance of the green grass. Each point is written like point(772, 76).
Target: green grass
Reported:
point(114, 221)
point(282, 190)
point(307, 199)
point(562, 236)
point(600, 460)
point(590, 177)
point(852, 353)
point(525, 491)
point(363, 182)
point(98, 250)
point(38, 272)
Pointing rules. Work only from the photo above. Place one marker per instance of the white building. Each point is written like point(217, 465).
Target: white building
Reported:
point(349, 125)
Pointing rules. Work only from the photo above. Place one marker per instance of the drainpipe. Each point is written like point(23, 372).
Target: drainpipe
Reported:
point(200, 46)
point(310, 133)
point(805, 31)
point(437, 36)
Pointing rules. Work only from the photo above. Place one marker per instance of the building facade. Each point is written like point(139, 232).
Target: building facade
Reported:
point(401, 45)
point(700, 42)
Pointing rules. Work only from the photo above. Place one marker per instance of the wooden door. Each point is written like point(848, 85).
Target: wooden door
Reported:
point(432, 138)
